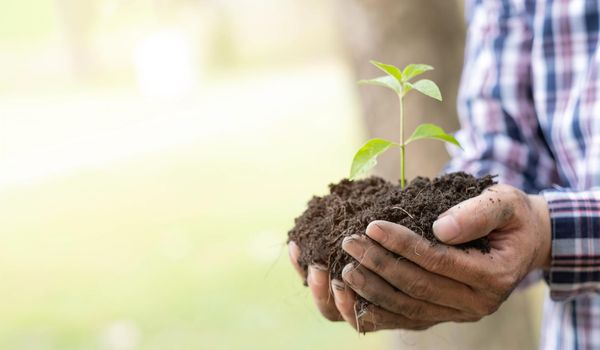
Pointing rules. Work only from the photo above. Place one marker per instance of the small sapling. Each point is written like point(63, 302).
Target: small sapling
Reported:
point(400, 82)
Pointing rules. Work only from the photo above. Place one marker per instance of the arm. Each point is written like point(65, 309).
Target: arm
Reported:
point(438, 283)
point(500, 132)
point(501, 135)
point(575, 222)
point(558, 231)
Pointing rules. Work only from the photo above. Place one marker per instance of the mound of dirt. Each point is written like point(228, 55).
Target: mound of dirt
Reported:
point(352, 205)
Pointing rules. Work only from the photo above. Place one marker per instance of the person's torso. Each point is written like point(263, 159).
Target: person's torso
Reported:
point(565, 64)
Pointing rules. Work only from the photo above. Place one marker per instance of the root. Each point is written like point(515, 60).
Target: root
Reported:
point(405, 212)
point(283, 246)
point(356, 317)
point(423, 236)
point(418, 194)
point(358, 314)
point(415, 250)
point(364, 257)
point(330, 294)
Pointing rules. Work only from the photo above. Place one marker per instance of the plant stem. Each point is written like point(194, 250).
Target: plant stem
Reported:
point(402, 145)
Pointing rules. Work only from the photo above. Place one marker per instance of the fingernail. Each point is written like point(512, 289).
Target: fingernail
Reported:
point(376, 232)
point(350, 238)
point(293, 250)
point(444, 214)
point(314, 277)
point(446, 229)
point(351, 245)
point(320, 267)
point(353, 276)
point(338, 285)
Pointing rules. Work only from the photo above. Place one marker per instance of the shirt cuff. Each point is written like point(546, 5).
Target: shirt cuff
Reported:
point(575, 223)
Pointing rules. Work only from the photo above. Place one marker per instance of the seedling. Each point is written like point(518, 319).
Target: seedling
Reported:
point(399, 81)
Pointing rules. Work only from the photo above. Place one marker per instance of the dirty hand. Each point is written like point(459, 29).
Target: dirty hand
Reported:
point(336, 301)
point(429, 284)
point(317, 279)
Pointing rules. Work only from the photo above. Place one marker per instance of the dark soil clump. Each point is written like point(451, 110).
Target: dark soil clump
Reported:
point(352, 205)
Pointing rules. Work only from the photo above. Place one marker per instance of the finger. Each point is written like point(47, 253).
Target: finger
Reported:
point(374, 318)
point(294, 252)
point(478, 216)
point(345, 301)
point(438, 258)
point(318, 281)
point(379, 292)
point(407, 277)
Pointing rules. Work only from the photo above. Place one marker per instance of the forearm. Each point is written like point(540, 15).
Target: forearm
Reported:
point(574, 267)
point(500, 133)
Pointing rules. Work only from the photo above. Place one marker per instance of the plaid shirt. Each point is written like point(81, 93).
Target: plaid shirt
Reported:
point(530, 111)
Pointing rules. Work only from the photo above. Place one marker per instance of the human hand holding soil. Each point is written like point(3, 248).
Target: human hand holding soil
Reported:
point(411, 279)
point(317, 279)
point(437, 283)
point(316, 240)
point(337, 302)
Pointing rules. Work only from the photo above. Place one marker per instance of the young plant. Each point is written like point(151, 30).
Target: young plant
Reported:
point(399, 81)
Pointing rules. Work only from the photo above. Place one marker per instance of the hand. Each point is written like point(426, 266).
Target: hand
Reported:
point(317, 280)
point(337, 302)
point(438, 283)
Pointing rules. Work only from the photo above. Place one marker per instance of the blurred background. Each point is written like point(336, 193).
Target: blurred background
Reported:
point(153, 156)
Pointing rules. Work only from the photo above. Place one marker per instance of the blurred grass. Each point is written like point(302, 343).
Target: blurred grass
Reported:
point(18, 23)
point(184, 245)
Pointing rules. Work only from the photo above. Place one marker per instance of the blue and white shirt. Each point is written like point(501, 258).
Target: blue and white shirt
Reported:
point(529, 107)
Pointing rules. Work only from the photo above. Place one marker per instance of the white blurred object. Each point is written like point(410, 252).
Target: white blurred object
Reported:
point(265, 246)
point(165, 64)
point(121, 335)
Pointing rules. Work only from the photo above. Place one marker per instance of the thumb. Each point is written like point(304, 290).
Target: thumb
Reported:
point(475, 217)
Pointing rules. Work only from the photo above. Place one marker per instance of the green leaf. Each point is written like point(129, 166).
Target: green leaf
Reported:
point(366, 157)
point(431, 131)
point(427, 87)
point(386, 81)
point(412, 70)
point(389, 69)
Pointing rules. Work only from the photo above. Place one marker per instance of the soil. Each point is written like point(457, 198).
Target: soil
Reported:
point(352, 205)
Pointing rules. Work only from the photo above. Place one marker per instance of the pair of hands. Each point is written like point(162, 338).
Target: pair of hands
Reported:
point(439, 283)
